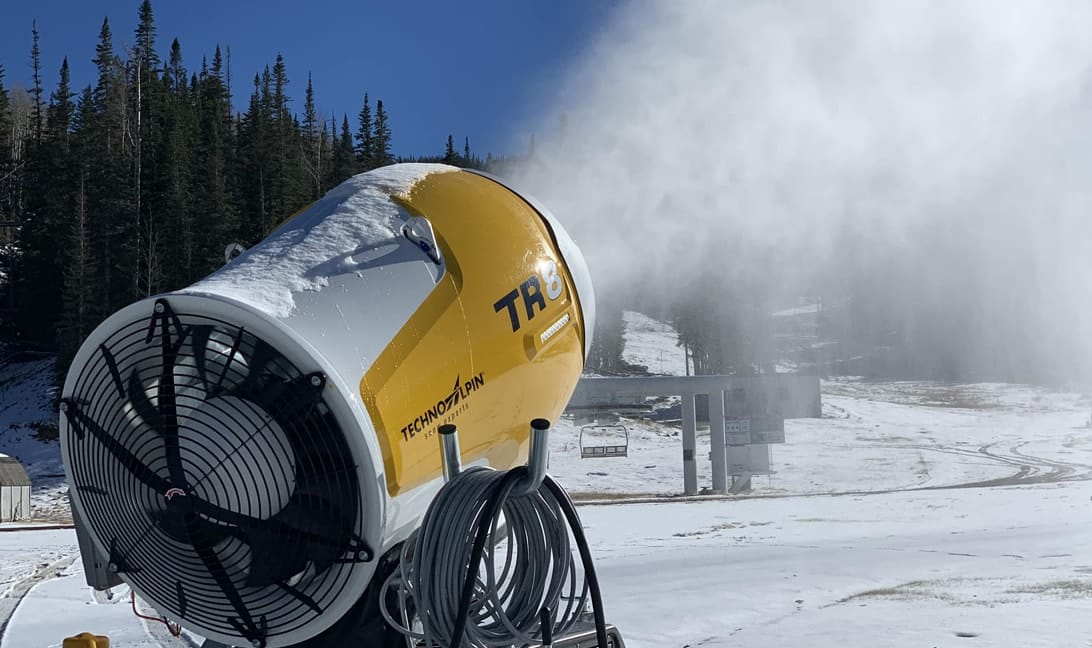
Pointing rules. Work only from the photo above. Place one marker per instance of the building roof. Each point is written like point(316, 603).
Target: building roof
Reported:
point(12, 473)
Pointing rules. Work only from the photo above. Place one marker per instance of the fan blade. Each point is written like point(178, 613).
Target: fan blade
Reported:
point(259, 360)
point(172, 521)
point(308, 529)
point(273, 559)
point(195, 534)
point(200, 342)
point(286, 401)
point(142, 404)
point(168, 412)
point(324, 527)
point(128, 460)
point(215, 390)
point(319, 534)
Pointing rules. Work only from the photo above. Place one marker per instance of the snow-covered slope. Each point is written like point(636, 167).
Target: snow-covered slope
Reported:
point(873, 437)
point(652, 344)
point(28, 430)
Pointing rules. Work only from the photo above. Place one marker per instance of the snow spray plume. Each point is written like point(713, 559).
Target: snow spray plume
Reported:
point(926, 165)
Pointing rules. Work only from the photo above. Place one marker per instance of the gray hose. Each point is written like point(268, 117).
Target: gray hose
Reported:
point(529, 568)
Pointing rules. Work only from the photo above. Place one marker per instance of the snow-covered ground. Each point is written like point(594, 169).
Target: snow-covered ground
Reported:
point(1004, 566)
point(28, 431)
point(912, 515)
point(873, 437)
point(652, 344)
point(20, 557)
point(59, 605)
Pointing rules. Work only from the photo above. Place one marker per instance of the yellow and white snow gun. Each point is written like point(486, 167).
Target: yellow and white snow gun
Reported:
point(255, 454)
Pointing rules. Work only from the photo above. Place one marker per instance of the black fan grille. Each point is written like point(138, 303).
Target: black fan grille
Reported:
point(215, 473)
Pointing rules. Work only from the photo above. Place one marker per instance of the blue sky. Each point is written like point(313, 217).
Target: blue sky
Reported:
point(477, 68)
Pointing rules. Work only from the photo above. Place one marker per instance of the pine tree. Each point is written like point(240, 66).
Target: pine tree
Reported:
point(215, 220)
point(145, 38)
point(7, 171)
point(310, 115)
point(365, 144)
point(36, 65)
point(343, 162)
point(283, 188)
point(381, 141)
point(178, 161)
point(49, 190)
point(605, 355)
point(10, 189)
point(60, 113)
point(466, 151)
point(79, 313)
point(227, 75)
point(312, 142)
point(150, 106)
point(255, 146)
point(81, 307)
point(5, 124)
point(346, 144)
point(326, 156)
point(450, 157)
point(110, 200)
point(9, 182)
point(104, 61)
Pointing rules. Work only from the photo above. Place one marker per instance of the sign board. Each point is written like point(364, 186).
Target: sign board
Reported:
point(749, 459)
point(768, 429)
point(737, 432)
point(755, 430)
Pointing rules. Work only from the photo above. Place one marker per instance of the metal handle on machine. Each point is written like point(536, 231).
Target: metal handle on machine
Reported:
point(449, 448)
point(538, 459)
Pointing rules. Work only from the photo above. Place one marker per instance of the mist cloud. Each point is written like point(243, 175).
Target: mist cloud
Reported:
point(931, 155)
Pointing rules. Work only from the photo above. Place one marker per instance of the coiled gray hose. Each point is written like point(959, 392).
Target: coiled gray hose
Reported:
point(529, 568)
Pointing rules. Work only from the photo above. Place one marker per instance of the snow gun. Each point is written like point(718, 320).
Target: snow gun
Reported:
point(339, 438)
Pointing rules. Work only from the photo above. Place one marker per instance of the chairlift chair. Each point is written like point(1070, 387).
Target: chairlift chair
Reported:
point(589, 451)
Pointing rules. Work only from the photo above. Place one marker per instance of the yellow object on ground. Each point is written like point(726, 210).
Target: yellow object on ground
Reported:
point(86, 640)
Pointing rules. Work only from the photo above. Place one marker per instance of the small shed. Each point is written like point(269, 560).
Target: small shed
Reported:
point(14, 490)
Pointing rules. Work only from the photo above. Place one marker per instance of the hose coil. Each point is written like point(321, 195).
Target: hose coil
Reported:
point(490, 565)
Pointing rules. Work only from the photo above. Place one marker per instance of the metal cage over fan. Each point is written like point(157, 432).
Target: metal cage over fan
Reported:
point(194, 443)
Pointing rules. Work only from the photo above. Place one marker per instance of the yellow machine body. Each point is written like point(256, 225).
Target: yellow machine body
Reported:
point(500, 341)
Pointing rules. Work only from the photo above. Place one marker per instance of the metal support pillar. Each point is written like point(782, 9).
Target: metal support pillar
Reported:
point(689, 445)
point(717, 441)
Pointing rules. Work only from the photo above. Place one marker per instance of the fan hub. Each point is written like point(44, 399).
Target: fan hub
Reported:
point(246, 466)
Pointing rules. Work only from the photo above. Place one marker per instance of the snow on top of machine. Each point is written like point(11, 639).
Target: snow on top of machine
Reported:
point(356, 215)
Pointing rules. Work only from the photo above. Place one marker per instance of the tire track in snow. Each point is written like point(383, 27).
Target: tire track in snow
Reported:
point(10, 601)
